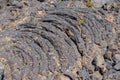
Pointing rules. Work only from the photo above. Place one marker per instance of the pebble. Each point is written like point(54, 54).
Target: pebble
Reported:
point(109, 64)
point(117, 57)
point(117, 66)
point(108, 55)
point(84, 74)
point(99, 61)
point(61, 77)
point(97, 76)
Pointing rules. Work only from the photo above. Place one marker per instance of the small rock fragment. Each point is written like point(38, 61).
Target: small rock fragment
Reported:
point(117, 57)
point(99, 61)
point(61, 77)
point(110, 18)
point(109, 64)
point(84, 74)
point(117, 66)
point(108, 55)
point(97, 76)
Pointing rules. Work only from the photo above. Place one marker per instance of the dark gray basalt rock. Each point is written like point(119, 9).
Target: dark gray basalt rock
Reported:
point(59, 45)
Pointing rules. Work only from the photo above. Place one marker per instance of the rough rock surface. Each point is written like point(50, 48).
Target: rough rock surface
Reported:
point(59, 40)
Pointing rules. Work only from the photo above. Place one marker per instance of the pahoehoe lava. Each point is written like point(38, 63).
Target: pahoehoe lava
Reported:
point(55, 47)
